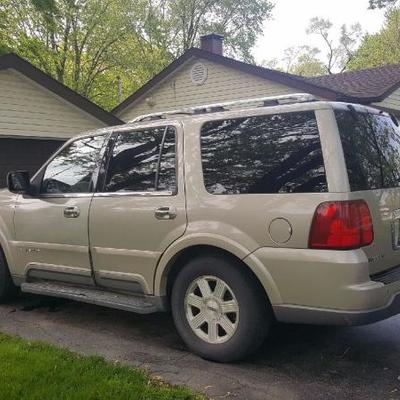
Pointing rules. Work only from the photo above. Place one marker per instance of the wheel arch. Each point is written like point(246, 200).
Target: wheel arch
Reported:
point(174, 259)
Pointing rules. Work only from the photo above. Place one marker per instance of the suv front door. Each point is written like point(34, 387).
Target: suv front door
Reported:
point(52, 226)
point(139, 208)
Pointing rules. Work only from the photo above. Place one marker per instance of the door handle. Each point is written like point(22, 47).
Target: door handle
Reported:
point(165, 213)
point(71, 212)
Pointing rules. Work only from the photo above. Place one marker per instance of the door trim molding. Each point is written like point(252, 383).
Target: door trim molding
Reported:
point(57, 268)
point(126, 252)
point(124, 277)
point(62, 273)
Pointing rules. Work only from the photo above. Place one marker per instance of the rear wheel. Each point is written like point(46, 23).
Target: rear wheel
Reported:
point(7, 288)
point(218, 309)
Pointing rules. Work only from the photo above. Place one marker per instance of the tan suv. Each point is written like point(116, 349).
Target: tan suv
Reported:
point(230, 215)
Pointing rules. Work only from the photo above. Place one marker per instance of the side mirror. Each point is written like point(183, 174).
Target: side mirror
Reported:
point(18, 182)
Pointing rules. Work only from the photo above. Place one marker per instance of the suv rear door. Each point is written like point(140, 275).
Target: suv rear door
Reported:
point(139, 208)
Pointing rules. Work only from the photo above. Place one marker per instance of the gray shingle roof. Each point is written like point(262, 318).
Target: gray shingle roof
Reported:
point(363, 84)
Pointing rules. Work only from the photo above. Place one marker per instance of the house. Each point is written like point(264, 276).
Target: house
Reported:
point(37, 114)
point(205, 75)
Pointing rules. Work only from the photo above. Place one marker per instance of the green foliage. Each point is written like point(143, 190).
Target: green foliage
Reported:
point(239, 21)
point(74, 41)
point(308, 66)
point(303, 61)
point(381, 48)
point(380, 3)
point(4, 50)
point(90, 45)
point(32, 370)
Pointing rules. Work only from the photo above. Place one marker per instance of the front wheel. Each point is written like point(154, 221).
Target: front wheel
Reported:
point(218, 309)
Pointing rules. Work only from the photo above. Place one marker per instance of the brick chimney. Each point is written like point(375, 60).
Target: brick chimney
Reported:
point(212, 43)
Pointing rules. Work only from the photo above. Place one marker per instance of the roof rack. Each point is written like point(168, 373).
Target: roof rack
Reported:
point(218, 107)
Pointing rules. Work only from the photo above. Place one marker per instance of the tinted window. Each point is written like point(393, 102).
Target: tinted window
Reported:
point(143, 161)
point(71, 170)
point(371, 147)
point(265, 154)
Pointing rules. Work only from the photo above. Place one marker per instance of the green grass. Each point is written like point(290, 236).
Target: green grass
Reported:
point(37, 371)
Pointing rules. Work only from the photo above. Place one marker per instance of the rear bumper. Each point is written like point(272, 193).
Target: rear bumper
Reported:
point(319, 316)
point(327, 287)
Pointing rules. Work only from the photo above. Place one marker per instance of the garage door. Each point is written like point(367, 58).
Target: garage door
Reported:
point(24, 154)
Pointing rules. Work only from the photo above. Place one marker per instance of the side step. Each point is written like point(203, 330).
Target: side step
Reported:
point(140, 305)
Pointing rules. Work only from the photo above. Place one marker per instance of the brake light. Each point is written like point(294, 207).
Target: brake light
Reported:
point(341, 225)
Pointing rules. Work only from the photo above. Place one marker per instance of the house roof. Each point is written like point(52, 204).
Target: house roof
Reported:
point(270, 74)
point(369, 85)
point(17, 63)
point(364, 86)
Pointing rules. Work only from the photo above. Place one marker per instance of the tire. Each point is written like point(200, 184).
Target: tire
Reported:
point(7, 288)
point(248, 323)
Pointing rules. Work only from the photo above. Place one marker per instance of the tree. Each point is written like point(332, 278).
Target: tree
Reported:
point(338, 54)
point(308, 66)
point(3, 47)
point(90, 45)
point(303, 60)
point(381, 48)
point(380, 3)
point(74, 41)
point(177, 24)
point(307, 61)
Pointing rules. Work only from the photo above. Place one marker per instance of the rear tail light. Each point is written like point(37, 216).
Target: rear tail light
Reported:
point(341, 225)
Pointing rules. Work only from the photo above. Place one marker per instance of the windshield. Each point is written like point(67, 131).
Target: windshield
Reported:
point(371, 146)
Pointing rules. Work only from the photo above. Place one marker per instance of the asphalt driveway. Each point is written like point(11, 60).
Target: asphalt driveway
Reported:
point(297, 362)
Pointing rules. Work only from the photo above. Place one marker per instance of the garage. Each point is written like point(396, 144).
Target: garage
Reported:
point(38, 114)
point(14, 155)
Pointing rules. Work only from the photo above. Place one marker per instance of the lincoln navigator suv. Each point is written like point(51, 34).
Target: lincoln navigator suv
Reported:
point(231, 216)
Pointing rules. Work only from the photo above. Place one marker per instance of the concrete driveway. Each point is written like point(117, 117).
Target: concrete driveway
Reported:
point(297, 362)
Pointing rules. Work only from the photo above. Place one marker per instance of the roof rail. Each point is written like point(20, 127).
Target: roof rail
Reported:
point(217, 107)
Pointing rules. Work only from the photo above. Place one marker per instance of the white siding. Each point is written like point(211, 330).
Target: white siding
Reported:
point(391, 103)
point(223, 84)
point(28, 109)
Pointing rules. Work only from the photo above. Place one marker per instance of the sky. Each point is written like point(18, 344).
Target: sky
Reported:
point(290, 19)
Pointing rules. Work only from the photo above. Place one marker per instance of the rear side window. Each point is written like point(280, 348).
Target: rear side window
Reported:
point(143, 161)
point(371, 146)
point(278, 153)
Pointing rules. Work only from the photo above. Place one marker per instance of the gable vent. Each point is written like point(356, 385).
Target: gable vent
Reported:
point(198, 74)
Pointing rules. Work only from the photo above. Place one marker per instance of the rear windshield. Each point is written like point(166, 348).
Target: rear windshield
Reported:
point(278, 153)
point(371, 146)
